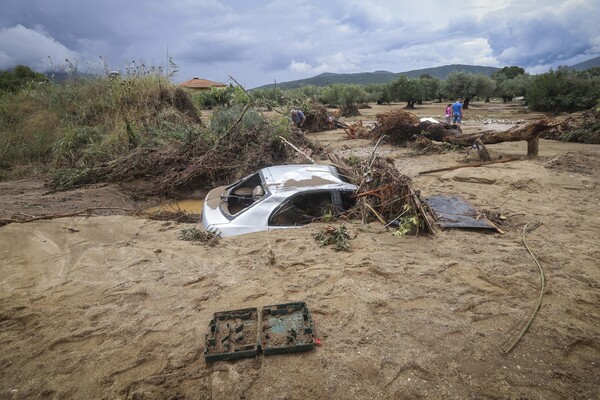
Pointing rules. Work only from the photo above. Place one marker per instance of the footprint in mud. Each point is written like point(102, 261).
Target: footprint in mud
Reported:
point(527, 184)
point(584, 350)
point(255, 296)
point(408, 372)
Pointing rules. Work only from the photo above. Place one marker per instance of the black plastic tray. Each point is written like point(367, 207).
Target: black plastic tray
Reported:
point(286, 328)
point(233, 335)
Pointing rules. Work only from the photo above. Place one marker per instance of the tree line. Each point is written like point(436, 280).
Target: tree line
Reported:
point(560, 90)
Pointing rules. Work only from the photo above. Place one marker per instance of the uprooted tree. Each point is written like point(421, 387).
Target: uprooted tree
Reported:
point(400, 127)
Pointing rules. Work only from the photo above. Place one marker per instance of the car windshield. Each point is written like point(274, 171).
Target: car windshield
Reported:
point(243, 194)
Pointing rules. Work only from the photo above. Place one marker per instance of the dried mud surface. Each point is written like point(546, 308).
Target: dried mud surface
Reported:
point(117, 306)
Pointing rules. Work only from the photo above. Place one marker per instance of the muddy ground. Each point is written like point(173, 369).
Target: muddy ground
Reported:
point(117, 306)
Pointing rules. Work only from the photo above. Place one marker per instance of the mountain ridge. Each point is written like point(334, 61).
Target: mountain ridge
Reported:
point(381, 76)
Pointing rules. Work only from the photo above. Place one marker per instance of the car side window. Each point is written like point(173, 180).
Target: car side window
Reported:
point(302, 209)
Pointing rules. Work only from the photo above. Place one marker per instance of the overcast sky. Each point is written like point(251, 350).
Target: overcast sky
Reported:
point(257, 42)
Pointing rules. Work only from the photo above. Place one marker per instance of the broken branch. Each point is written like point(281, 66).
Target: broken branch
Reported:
point(477, 164)
point(84, 212)
point(539, 302)
point(297, 149)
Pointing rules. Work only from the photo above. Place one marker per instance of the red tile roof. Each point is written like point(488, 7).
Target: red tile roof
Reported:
point(197, 83)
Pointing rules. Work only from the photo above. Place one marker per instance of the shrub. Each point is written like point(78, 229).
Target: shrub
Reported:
point(563, 90)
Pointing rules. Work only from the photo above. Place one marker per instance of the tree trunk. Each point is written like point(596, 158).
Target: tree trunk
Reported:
point(484, 154)
point(533, 146)
point(529, 132)
point(466, 103)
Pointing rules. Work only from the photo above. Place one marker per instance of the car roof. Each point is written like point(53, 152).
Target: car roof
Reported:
point(304, 177)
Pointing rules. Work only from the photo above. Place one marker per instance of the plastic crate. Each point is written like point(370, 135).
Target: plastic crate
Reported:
point(233, 335)
point(286, 328)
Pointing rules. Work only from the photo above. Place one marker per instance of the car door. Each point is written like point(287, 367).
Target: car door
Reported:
point(305, 207)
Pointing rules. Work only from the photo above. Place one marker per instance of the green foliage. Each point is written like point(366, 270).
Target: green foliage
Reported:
point(339, 237)
point(343, 95)
point(19, 78)
point(80, 123)
point(76, 144)
point(508, 73)
point(510, 82)
point(195, 234)
point(563, 89)
point(27, 129)
point(429, 87)
point(461, 85)
point(589, 135)
point(409, 222)
point(65, 178)
point(405, 89)
point(269, 97)
point(244, 119)
point(220, 97)
point(485, 87)
point(353, 160)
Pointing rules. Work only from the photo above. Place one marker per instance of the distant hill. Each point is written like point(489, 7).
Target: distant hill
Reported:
point(582, 66)
point(364, 78)
point(445, 70)
point(327, 78)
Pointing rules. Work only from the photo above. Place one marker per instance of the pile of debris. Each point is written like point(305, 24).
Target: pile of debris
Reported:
point(401, 127)
point(349, 110)
point(201, 163)
point(583, 129)
point(317, 118)
point(358, 131)
point(385, 195)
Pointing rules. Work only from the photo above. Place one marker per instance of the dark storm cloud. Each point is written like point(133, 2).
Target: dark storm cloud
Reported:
point(210, 51)
point(551, 36)
point(69, 21)
point(261, 40)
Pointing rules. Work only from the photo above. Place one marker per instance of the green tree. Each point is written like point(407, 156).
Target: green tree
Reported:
point(378, 93)
point(343, 95)
point(461, 85)
point(507, 89)
point(270, 97)
point(508, 73)
point(485, 87)
point(405, 89)
point(509, 82)
point(19, 78)
point(563, 89)
point(429, 87)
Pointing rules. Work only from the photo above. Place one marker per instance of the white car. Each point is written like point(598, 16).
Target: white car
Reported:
point(285, 196)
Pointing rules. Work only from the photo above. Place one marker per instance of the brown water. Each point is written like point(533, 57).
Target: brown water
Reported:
point(188, 206)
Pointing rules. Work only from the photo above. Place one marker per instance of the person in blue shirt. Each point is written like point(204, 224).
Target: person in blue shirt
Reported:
point(298, 118)
point(457, 109)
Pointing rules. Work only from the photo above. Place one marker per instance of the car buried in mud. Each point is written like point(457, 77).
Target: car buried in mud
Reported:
point(284, 196)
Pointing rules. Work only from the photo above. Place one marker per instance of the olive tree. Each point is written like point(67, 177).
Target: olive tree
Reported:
point(563, 89)
point(461, 85)
point(405, 89)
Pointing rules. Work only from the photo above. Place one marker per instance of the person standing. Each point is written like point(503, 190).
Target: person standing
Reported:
point(457, 112)
point(448, 113)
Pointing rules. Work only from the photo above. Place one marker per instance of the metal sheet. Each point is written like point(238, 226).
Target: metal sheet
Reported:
point(454, 211)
